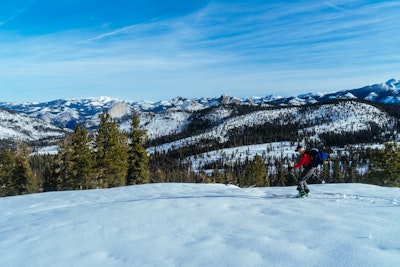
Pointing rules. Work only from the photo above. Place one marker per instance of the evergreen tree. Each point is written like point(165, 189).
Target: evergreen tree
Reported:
point(158, 176)
point(326, 175)
point(22, 179)
point(216, 176)
point(138, 160)
point(336, 175)
point(111, 148)
point(42, 167)
point(47, 177)
point(281, 173)
point(62, 178)
point(385, 166)
point(228, 176)
point(6, 168)
point(255, 172)
point(82, 160)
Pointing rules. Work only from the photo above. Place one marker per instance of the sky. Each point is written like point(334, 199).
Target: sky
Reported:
point(203, 225)
point(157, 50)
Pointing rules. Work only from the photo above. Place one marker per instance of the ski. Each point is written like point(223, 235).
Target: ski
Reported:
point(283, 196)
point(302, 196)
point(288, 196)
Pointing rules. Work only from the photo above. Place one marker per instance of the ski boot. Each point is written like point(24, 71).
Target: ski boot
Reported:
point(302, 193)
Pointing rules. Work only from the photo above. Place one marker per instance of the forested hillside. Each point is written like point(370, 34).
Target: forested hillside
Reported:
point(229, 143)
point(349, 130)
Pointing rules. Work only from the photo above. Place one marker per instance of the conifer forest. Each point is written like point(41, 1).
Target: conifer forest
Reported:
point(109, 157)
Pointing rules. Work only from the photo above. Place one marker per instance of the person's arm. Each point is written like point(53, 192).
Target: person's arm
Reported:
point(305, 159)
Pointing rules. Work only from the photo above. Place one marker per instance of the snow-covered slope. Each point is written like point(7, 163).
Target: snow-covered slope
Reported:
point(388, 92)
point(342, 117)
point(203, 225)
point(14, 125)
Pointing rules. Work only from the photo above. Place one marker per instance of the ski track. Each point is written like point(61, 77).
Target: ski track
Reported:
point(344, 197)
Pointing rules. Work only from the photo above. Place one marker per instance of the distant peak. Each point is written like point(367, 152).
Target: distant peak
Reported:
point(104, 99)
point(392, 84)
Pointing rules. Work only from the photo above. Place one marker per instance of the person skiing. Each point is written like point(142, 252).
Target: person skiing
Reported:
point(307, 172)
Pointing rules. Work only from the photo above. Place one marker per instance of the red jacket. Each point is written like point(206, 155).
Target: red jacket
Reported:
point(305, 160)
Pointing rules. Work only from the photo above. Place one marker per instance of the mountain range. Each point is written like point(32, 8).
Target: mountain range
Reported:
point(33, 121)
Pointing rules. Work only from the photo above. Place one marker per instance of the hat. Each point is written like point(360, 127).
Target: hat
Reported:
point(298, 148)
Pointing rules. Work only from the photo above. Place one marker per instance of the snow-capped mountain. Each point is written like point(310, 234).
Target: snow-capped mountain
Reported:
point(16, 125)
point(343, 117)
point(170, 117)
point(388, 92)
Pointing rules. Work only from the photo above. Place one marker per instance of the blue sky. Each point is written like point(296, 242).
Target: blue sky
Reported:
point(156, 50)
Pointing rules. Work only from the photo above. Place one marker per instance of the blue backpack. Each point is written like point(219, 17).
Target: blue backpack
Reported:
point(317, 157)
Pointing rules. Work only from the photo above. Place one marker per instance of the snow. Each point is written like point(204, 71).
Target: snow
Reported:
point(350, 95)
point(165, 123)
point(344, 117)
point(242, 153)
point(203, 225)
point(47, 150)
point(25, 128)
point(391, 84)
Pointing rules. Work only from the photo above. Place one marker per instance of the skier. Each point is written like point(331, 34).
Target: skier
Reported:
point(308, 170)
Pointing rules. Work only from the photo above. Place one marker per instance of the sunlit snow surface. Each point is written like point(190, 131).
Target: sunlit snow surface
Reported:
point(203, 225)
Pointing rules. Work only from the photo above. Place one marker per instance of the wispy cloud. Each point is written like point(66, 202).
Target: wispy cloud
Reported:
point(223, 45)
point(17, 13)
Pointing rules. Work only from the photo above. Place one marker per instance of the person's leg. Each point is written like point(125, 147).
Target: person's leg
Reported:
point(306, 189)
point(302, 181)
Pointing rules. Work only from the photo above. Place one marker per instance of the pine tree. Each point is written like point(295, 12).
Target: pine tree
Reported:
point(216, 176)
point(49, 183)
point(6, 167)
point(111, 148)
point(336, 175)
point(255, 172)
point(82, 159)
point(385, 166)
point(158, 176)
point(138, 160)
point(228, 176)
point(42, 166)
point(22, 179)
point(61, 178)
point(281, 173)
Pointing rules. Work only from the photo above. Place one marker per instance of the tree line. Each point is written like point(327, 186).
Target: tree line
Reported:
point(108, 158)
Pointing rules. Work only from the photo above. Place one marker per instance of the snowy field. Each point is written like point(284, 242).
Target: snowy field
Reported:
point(203, 225)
